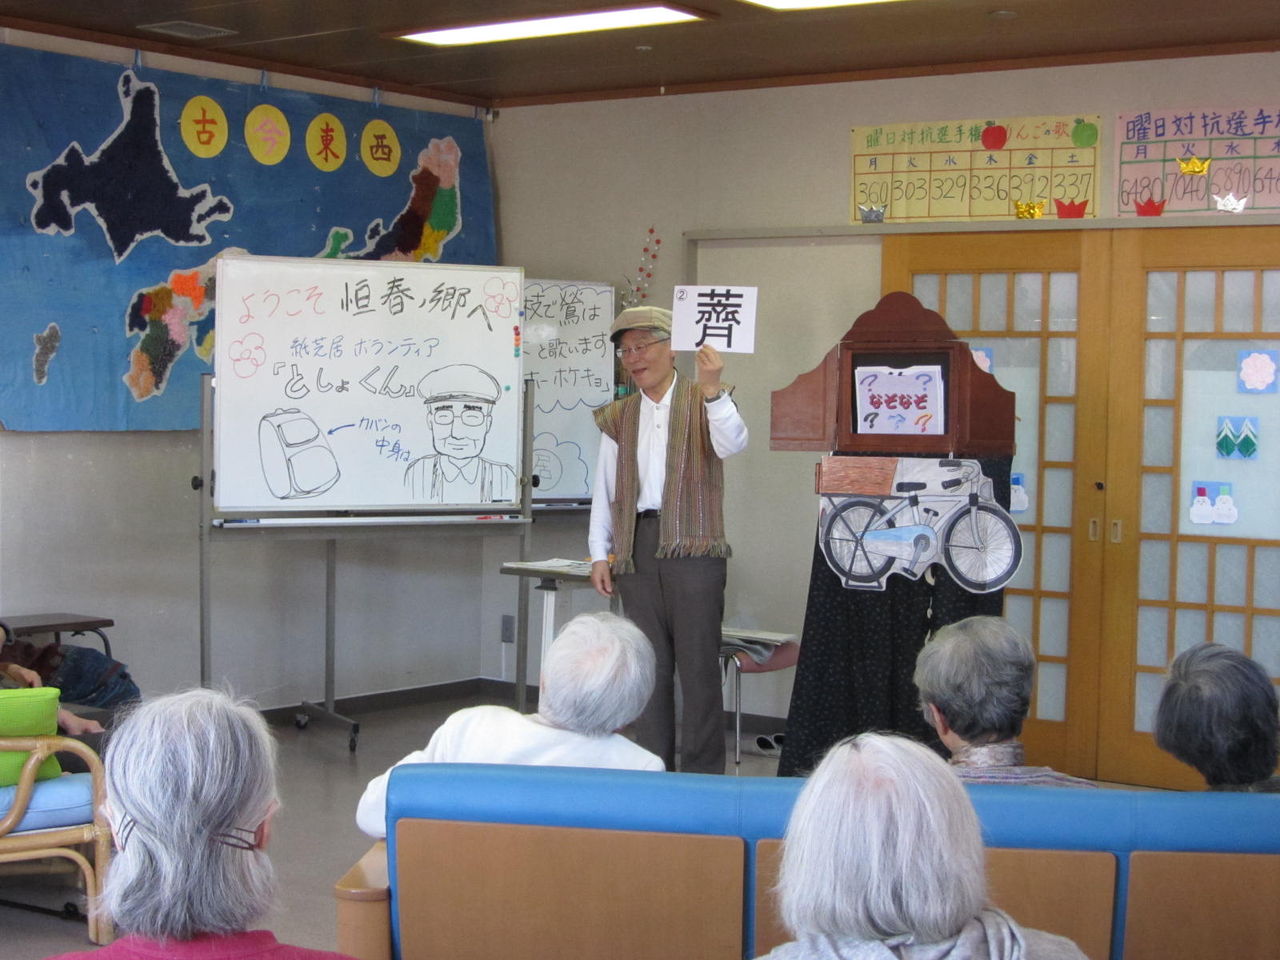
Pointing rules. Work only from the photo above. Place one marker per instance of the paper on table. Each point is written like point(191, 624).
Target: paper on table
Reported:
point(579, 567)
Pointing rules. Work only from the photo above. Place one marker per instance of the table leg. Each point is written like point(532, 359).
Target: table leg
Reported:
point(327, 711)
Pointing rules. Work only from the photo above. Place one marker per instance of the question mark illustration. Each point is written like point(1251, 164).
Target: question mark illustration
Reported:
point(922, 421)
point(869, 379)
point(870, 419)
point(928, 378)
point(900, 419)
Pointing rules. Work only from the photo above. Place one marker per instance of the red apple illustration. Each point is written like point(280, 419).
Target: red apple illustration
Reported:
point(994, 135)
point(1084, 134)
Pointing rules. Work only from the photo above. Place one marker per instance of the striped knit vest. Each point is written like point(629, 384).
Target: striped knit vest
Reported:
point(692, 522)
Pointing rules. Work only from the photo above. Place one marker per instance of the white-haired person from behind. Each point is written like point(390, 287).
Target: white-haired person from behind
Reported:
point(191, 791)
point(883, 860)
point(597, 675)
point(975, 678)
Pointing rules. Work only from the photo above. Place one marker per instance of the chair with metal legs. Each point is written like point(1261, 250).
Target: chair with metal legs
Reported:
point(736, 649)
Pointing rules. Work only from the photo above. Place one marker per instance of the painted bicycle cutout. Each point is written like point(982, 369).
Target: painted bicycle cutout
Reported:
point(902, 514)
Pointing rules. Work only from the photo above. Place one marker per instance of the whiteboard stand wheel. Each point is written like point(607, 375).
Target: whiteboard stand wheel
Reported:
point(300, 720)
point(354, 740)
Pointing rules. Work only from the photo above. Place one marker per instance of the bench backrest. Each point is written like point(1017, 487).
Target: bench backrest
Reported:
point(474, 891)
point(1068, 869)
point(1234, 898)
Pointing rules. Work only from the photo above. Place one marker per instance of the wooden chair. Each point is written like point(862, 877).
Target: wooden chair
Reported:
point(65, 841)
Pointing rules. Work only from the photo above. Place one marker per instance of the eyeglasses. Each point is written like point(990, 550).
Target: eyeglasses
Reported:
point(470, 417)
point(623, 352)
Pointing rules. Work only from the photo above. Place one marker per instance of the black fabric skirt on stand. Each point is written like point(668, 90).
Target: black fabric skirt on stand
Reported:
point(859, 647)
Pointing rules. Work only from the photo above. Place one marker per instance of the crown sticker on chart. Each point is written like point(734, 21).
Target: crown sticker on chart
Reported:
point(1070, 211)
point(1194, 166)
point(872, 214)
point(1229, 203)
point(1149, 208)
point(1031, 210)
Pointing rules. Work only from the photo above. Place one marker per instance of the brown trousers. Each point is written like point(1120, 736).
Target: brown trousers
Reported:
point(679, 604)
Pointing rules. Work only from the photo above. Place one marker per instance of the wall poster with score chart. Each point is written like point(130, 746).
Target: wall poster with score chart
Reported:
point(974, 170)
point(568, 354)
point(1198, 161)
point(366, 385)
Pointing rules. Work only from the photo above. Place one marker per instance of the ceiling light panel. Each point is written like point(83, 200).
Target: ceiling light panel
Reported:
point(813, 4)
point(616, 19)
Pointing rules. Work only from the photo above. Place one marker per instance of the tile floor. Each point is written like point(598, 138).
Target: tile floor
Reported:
point(314, 840)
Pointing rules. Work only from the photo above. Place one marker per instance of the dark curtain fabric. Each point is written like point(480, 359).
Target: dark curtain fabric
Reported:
point(859, 647)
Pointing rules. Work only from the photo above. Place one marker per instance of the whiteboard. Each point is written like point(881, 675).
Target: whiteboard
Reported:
point(365, 385)
point(570, 358)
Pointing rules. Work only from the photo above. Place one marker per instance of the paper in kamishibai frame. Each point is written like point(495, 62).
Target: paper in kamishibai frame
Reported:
point(720, 315)
point(900, 400)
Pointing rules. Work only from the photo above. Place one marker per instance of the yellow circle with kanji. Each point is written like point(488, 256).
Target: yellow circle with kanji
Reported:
point(326, 142)
point(266, 132)
point(204, 127)
point(380, 148)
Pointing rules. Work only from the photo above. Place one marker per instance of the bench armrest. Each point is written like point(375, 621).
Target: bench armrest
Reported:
point(363, 902)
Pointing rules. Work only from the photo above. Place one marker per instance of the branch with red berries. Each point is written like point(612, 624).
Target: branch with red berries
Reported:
point(635, 290)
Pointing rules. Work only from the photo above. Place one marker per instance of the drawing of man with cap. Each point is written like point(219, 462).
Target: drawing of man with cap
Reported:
point(459, 400)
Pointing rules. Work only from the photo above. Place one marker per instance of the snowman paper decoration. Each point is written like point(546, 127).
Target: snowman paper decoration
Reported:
point(1201, 508)
point(1224, 508)
point(1019, 502)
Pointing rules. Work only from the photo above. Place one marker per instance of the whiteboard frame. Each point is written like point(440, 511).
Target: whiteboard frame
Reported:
point(332, 510)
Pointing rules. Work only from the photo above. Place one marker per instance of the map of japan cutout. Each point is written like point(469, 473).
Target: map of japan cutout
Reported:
point(971, 170)
point(128, 186)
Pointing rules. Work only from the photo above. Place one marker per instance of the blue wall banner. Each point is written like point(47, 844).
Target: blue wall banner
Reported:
point(119, 189)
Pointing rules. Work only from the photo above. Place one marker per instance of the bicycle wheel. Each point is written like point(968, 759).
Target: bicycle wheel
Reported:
point(843, 544)
point(982, 548)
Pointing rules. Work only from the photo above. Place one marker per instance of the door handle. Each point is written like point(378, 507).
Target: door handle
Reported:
point(1117, 531)
point(1095, 528)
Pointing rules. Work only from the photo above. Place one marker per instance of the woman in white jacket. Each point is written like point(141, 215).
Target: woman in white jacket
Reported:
point(884, 859)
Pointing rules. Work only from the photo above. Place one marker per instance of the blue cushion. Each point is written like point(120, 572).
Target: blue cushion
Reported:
point(61, 802)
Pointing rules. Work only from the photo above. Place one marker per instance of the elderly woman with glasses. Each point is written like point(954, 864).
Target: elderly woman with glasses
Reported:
point(883, 859)
point(191, 790)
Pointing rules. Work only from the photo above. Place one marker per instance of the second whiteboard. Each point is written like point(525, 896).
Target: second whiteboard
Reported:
point(568, 354)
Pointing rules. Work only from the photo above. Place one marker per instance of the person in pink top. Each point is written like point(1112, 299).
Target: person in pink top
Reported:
point(191, 791)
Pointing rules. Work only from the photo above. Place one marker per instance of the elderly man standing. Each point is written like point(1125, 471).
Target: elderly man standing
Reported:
point(974, 679)
point(658, 508)
point(596, 677)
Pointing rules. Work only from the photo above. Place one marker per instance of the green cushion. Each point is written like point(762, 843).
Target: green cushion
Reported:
point(27, 712)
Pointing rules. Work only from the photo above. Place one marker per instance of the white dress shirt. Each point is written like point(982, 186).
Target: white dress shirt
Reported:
point(728, 436)
point(493, 734)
